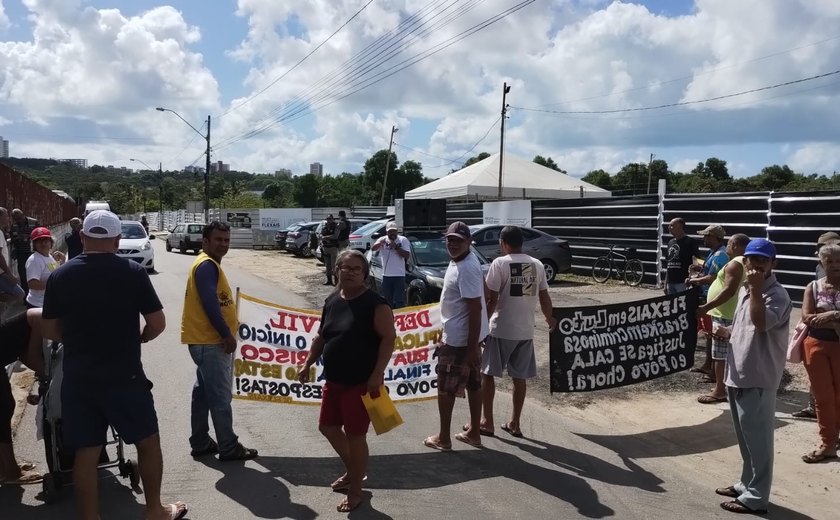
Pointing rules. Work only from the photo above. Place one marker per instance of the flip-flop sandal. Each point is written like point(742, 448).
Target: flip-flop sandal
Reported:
point(711, 399)
point(431, 443)
point(347, 506)
point(516, 433)
point(343, 483)
point(27, 466)
point(23, 480)
point(735, 506)
point(699, 370)
point(481, 429)
point(706, 380)
point(466, 440)
point(177, 511)
point(815, 456)
point(727, 492)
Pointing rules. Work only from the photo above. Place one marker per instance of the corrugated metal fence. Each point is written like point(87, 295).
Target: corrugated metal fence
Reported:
point(16, 191)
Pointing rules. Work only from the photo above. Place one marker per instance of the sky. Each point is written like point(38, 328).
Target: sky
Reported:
point(593, 84)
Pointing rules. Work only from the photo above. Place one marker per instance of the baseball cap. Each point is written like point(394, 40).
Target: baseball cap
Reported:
point(825, 237)
point(390, 225)
point(714, 230)
point(459, 229)
point(40, 232)
point(760, 247)
point(102, 224)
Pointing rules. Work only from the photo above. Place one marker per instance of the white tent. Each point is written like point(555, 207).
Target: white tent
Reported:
point(521, 179)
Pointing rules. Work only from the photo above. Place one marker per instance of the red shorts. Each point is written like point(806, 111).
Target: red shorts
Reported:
point(341, 405)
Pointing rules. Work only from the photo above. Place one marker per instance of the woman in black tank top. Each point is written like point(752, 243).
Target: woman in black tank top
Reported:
point(355, 341)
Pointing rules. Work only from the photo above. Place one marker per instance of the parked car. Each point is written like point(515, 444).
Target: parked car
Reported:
point(355, 225)
point(185, 237)
point(554, 253)
point(364, 237)
point(280, 236)
point(299, 238)
point(426, 267)
point(136, 245)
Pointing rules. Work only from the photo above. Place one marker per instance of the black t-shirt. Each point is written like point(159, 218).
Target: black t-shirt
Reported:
point(679, 257)
point(99, 299)
point(14, 338)
point(344, 230)
point(351, 344)
point(74, 244)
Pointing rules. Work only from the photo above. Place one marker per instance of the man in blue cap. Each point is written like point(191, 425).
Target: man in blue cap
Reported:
point(754, 368)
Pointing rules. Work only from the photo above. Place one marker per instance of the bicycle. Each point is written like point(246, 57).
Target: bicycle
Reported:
point(632, 269)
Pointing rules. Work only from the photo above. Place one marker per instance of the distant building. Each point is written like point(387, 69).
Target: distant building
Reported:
point(316, 169)
point(283, 173)
point(78, 163)
point(219, 167)
point(193, 169)
point(4, 147)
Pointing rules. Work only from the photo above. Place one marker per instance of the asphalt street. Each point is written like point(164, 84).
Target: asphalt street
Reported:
point(555, 472)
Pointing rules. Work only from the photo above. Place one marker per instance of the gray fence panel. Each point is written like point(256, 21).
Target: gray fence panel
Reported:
point(370, 212)
point(471, 213)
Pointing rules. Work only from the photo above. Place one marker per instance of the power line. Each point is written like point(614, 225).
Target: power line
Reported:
point(458, 159)
point(313, 51)
point(704, 73)
point(682, 103)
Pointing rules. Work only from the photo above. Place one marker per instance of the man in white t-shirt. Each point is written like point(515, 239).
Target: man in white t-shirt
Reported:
point(8, 283)
point(395, 251)
point(516, 283)
point(464, 317)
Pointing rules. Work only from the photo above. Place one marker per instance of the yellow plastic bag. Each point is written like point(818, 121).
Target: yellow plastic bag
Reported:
point(383, 414)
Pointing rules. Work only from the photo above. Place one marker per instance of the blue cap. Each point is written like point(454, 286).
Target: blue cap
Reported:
point(760, 247)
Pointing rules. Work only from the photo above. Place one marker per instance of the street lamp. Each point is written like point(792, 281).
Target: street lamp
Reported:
point(160, 187)
point(207, 164)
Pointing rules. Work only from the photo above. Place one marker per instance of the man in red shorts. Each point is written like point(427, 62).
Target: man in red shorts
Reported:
point(463, 312)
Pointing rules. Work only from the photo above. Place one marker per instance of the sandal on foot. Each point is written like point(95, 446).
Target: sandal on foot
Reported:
point(516, 433)
point(706, 380)
point(711, 399)
point(350, 503)
point(817, 456)
point(177, 510)
point(699, 370)
point(26, 466)
point(211, 449)
point(240, 452)
point(736, 506)
point(430, 442)
point(467, 440)
point(342, 483)
point(728, 492)
point(23, 480)
point(481, 429)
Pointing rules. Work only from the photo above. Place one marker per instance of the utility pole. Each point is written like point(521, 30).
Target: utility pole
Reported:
point(505, 90)
point(207, 178)
point(650, 162)
point(160, 187)
point(394, 130)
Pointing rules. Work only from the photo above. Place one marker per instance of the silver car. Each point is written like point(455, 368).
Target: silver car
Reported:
point(554, 253)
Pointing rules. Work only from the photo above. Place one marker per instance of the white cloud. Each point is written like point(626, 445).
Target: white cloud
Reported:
point(813, 158)
point(4, 19)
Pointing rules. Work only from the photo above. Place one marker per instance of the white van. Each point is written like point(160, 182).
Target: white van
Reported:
point(95, 205)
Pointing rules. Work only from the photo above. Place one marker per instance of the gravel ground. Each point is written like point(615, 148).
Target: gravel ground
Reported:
point(305, 277)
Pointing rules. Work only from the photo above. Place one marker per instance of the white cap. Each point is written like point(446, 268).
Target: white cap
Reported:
point(102, 224)
point(390, 225)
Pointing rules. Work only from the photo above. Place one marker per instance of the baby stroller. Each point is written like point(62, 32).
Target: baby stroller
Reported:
point(60, 459)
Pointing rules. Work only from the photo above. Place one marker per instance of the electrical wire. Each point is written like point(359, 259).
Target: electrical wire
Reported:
point(681, 103)
point(293, 67)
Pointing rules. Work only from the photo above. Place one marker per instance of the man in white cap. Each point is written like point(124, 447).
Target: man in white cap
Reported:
point(93, 304)
point(395, 251)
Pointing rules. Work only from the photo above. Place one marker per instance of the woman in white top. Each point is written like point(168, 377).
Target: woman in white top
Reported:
point(40, 265)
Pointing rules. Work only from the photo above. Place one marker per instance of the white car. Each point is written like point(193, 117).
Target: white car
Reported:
point(363, 238)
point(136, 245)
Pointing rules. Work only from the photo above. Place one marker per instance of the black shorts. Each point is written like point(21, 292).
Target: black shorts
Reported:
point(87, 409)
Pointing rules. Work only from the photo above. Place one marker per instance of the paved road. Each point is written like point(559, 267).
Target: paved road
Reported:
point(557, 473)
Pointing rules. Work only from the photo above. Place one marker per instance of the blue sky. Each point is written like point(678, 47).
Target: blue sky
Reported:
point(76, 80)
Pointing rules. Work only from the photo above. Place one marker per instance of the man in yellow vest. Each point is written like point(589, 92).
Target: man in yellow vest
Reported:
point(208, 327)
point(720, 305)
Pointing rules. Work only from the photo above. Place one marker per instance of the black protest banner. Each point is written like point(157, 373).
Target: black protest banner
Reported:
point(606, 346)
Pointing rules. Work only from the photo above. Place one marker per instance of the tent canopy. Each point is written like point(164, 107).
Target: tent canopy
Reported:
point(521, 179)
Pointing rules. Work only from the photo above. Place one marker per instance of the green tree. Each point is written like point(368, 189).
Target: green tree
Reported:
point(279, 194)
point(599, 178)
point(374, 173)
point(477, 158)
point(713, 168)
point(773, 178)
point(548, 163)
point(305, 192)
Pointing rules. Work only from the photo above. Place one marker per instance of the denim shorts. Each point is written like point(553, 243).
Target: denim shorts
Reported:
point(87, 408)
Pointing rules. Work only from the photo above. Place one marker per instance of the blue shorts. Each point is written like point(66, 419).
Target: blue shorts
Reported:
point(87, 409)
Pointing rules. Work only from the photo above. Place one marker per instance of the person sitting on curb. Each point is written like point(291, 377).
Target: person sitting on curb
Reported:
point(720, 305)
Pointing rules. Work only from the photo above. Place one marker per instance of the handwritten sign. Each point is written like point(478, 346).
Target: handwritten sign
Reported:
point(622, 344)
point(274, 340)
